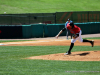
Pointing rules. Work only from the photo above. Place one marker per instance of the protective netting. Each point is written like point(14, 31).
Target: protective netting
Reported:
point(24, 19)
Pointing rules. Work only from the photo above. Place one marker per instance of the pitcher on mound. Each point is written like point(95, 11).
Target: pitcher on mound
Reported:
point(76, 31)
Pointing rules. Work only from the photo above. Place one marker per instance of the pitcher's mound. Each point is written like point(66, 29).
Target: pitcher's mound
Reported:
point(75, 56)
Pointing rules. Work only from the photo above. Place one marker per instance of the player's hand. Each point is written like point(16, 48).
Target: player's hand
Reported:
point(57, 36)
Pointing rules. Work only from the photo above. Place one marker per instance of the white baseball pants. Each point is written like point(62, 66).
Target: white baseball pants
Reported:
point(78, 38)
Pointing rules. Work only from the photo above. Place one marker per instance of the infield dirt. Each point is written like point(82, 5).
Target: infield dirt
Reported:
point(52, 42)
point(75, 56)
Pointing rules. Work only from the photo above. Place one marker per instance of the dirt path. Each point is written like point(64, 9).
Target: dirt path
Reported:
point(52, 42)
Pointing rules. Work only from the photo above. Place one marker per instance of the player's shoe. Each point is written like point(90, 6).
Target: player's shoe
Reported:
point(67, 53)
point(92, 43)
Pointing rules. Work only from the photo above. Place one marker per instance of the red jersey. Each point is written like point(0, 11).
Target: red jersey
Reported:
point(75, 30)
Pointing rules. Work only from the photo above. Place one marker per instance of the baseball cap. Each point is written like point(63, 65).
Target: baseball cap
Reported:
point(68, 19)
point(71, 23)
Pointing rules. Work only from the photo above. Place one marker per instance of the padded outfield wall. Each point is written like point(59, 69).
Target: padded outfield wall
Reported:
point(44, 30)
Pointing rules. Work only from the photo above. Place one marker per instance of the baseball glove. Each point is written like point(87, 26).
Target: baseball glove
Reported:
point(75, 35)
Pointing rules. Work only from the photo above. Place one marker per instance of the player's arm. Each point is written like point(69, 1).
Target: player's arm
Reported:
point(60, 32)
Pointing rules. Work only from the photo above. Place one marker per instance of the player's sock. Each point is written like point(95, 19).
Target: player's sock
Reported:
point(84, 40)
point(71, 46)
point(92, 42)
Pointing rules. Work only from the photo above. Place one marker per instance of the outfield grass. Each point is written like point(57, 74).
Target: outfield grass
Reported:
point(47, 6)
point(11, 62)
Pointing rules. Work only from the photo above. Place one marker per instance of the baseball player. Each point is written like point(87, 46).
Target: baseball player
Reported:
point(67, 30)
point(76, 36)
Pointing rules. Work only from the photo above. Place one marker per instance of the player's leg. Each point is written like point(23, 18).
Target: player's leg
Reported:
point(80, 37)
point(84, 40)
point(69, 51)
point(71, 46)
point(72, 43)
point(92, 42)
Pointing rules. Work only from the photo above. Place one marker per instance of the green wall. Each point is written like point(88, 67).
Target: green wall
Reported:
point(51, 30)
point(44, 30)
point(26, 31)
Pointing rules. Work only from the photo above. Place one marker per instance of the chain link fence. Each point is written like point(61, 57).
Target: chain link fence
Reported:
point(49, 18)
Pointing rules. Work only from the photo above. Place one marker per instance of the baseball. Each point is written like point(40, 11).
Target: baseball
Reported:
point(4, 12)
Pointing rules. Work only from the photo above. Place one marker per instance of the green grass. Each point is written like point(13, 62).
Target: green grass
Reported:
point(12, 64)
point(93, 38)
point(47, 6)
